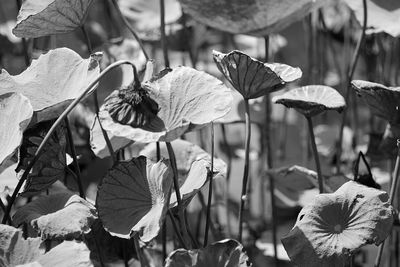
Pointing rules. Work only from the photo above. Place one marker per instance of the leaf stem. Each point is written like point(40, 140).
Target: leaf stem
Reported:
point(315, 152)
point(228, 174)
point(59, 120)
point(138, 250)
point(392, 194)
point(164, 43)
point(128, 25)
point(243, 197)
point(176, 229)
point(210, 188)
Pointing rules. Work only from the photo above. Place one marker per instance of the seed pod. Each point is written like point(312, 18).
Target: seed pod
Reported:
point(131, 106)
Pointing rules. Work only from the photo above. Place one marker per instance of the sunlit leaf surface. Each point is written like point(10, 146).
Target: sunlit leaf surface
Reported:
point(187, 99)
point(15, 115)
point(58, 216)
point(133, 197)
point(253, 78)
point(312, 99)
point(193, 165)
point(254, 17)
point(382, 15)
point(334, 226)
point(50, 166)
point(227, 252)
point(46, 17)
point(15, 250)
point(52, 81)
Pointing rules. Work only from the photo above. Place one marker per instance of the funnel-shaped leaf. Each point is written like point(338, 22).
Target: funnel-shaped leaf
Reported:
point(227, 252)
point(15, 115)
point(58, 216)
point(15, 250)
point(133, 197)
point(187, 99)
point(383, 15)
point(383, 101)
point(253, 78)
point(193, 165)
point(50, 166)
point(52, 81)
point(46, 17)
point(336, 225)
point(254, 17)
point(312, 99)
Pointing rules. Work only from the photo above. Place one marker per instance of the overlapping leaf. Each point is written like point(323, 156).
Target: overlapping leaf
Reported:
point(46, 17)
point(58, 216)
point(311, 100)
point(253, 17)
point(15, 115)
point(50, 166)
point(334, 226)
point(133, 197)
point(227, 252)
point(52, 81)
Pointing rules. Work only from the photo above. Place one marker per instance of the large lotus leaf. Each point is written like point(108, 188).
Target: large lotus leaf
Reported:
point(52, 81)
point(15, 115)
point(187, 99)
point(311, 100)
point(334, 226)
point(15, 250)
point(253, 17)
point(51, 164)
point(383, 101)
point(58, 216)
point(133, 198)
point(382, 15)
point(251, 77)
point(46, 17)
point(223, 253)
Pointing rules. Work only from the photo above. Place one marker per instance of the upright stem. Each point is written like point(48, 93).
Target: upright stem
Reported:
point(228, 175)
point(163, 37)
point(392, 194)
point(315, 152)
point(138, 250)
point(39, 151)
point(210, 188)
point(75, 159)
point(243, 197)
point(347, 84)
point(87, 39)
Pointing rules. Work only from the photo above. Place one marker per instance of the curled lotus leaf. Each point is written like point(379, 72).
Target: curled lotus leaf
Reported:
point(251, 77)
point(226, 252)
point(336, 225)
point(58, 216)
point(133, 198)
point(193, 165)
point(187, 99)
point(253, 17)
point(15, 115)
point(383, 101)
point(15, 250)
point(47, 17)
point(311, 100)
point(52, 81)
point(383, 15)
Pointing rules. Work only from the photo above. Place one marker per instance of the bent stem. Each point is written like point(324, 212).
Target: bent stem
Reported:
point(243, 197)
point(59, 120)
point(392, 194)
point(315, 152)
point(210, 188)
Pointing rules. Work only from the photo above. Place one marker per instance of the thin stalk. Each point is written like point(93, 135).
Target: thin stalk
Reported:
point(180, 208)
point(192, 238)
point(392, 194)
point(139, 250)
point(210, 188)
point(350, 74)
point(128, 25)
point(243, 197)
point(87, 39)
point(163, 36)
point(164, 240)
point(228, 175)
point(315, 152)
point(75, 159)
point(59, 120)
point(176, 229)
